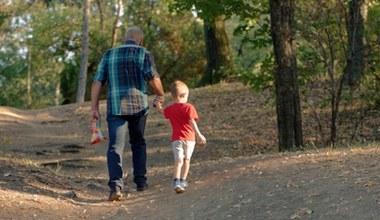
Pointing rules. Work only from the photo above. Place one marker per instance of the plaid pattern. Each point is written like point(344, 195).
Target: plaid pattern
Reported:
point(126, 69)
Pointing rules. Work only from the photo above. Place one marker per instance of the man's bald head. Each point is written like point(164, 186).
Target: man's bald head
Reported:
point(135, 34)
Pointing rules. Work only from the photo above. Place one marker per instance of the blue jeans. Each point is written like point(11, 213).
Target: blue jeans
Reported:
point(117, 128)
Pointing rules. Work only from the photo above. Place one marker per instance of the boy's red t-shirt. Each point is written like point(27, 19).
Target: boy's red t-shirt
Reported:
point(179, 115)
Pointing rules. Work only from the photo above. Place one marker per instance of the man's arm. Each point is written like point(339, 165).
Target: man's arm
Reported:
point(95, 91)
point(157, 86)
point(159, 90)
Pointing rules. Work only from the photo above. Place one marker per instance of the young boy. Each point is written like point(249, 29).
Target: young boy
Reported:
point(183, 117)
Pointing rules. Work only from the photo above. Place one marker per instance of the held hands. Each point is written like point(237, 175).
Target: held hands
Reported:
point(158, 102)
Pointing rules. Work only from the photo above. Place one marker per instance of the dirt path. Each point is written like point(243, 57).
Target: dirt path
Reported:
point(49, 171)
point(325, 185)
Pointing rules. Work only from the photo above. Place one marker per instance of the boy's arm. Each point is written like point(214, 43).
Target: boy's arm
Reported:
point(200, 138)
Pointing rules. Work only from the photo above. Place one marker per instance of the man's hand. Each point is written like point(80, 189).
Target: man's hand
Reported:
point(158, 102)
point(95, 115)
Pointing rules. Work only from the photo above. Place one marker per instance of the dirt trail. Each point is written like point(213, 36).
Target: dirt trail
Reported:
point(48, 170)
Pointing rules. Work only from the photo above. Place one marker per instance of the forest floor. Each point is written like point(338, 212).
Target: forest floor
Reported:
point(48, 169)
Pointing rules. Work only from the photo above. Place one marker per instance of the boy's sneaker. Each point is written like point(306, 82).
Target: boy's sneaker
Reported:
point(178, 186)
point(184, 184)
point(115, 194)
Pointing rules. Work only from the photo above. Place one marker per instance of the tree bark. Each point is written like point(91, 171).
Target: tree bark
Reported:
point(218, 53)
point(357, 14)
point(29, 80)
point(287, 94)
point(115, 24)
point(84, 57)
point(101, 15)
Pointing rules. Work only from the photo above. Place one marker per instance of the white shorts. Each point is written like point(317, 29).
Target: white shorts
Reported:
point(183, 149)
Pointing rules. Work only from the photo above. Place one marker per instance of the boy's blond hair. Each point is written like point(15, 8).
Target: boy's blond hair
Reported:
point(178, 88)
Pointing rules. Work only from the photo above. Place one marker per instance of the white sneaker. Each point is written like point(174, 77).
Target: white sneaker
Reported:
point(184, 184)
point(178, 186)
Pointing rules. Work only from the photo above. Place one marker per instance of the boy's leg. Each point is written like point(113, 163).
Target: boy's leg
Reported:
point(188, 152)
point(178, 153)
point(185, 169)
point(178, 164)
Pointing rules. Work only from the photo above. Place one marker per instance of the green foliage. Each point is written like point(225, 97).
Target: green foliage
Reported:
point(175, 37)
point(309, 63)
point(12, 92)
point(54, 45)
point(321, 58)
point(249, 22)
point(322, 39)
point(209, 10)
point(371, 87)
point(260, 77)
point(51, 44)
point(320, 49)
point(176, 41)
point(43, 34)
point(254, 61)
point(250, 42)
point(371, 81)
point(12, 64)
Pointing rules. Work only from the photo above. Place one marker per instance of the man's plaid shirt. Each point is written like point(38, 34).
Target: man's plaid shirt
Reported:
point(126, 69)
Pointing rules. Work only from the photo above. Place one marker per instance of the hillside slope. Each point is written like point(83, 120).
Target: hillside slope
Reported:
point(48, 170)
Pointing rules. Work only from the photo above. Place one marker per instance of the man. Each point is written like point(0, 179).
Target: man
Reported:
point(126, 69)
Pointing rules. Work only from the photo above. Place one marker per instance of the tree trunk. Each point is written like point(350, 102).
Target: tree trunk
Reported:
point(58, 93)
point(115, 24)
point(357, 14)
point(287, 95)
point(101, 15)
point(218, 53)
point(29, 80)
point(84, 57)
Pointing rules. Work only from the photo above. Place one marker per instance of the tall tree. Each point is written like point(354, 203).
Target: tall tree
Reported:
point(101, 15)
point(29, 79)
point(287, 94)
point(219, 60)
point(357, 14)
point(81, 91)
point(218, 53)
point(116, 23)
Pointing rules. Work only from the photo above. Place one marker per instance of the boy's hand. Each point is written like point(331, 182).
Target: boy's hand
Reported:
point(158, 106)
point(158, 102)
point(201, 140)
